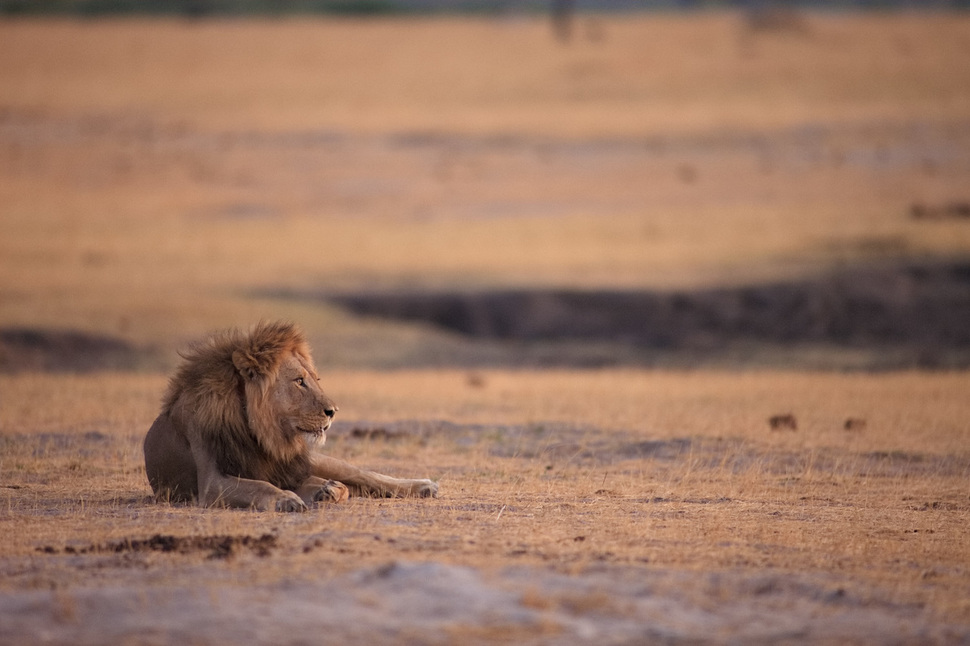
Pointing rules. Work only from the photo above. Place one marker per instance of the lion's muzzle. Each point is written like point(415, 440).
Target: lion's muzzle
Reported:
point(316, 437)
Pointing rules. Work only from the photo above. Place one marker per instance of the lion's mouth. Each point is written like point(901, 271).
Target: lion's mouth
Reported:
point(315, 436)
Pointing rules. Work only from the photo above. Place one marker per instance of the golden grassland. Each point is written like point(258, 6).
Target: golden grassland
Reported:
point(540, 468)
point(642, 76)
point(159, 179)
point(156, 172)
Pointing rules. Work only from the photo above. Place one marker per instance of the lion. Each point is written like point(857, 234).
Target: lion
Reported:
point(241, 425)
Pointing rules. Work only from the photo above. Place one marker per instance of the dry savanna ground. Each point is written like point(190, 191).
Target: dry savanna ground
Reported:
point(159, 179)
point(640, 490)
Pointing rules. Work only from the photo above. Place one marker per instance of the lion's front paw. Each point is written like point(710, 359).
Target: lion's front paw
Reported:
point(332, 491)
point(288, 501)
point(424, 489)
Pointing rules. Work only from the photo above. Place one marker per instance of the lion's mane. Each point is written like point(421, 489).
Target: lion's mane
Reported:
point(223, 389)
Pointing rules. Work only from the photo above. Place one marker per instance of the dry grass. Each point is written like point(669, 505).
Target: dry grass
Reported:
point(648, 75)
point(564, 469)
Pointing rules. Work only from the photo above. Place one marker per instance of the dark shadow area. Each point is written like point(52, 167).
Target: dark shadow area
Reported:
point(915, 315)
point(30, 349)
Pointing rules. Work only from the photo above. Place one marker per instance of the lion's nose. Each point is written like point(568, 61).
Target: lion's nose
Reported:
point(330, 412)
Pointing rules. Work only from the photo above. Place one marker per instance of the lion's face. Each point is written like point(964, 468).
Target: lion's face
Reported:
point(303, 409)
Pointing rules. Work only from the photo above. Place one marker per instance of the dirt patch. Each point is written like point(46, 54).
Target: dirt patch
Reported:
point(31, 349)
point(431, 603)
point(913, 315)
point(218, 547)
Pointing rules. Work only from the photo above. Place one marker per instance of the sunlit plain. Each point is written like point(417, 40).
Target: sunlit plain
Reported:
point(161, 179)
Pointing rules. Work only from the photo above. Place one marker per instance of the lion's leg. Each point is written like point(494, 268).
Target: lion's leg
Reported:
point(219, 490)
point(316, 489)
point(368, 483)
point(168, 462)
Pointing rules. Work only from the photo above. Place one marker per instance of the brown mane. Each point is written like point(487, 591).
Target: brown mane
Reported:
point(222, 386)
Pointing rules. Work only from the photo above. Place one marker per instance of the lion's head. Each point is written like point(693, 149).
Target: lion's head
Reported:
point(255, 399)
point(283, 393)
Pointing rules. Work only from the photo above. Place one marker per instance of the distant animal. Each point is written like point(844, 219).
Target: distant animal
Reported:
point(241, 425)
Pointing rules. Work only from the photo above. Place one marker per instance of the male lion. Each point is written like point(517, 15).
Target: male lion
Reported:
point(240, 424)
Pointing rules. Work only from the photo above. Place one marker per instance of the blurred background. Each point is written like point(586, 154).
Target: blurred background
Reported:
point(428, 183)
point(558, 8)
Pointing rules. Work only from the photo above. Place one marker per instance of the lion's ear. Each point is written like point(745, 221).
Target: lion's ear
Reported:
point(247, 365)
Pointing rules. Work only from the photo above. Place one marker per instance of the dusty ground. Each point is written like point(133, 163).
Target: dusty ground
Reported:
point(610, 505)
point(160, 179)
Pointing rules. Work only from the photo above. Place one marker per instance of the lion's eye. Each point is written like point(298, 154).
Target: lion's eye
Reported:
point(301, 382)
